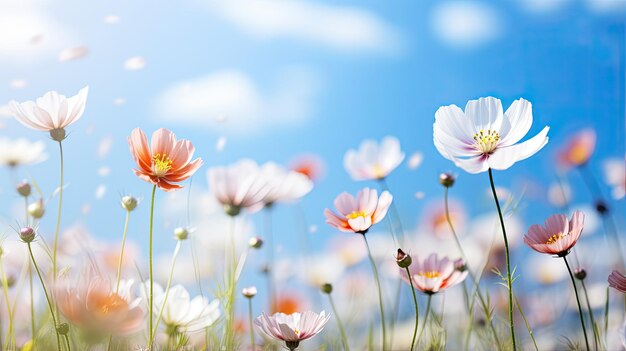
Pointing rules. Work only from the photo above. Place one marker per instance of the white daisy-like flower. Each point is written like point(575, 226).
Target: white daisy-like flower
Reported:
point(292, 328)
point(483, 137)
point(181, 313)
point(373, 161)
point(284, 185)
point(21, 152)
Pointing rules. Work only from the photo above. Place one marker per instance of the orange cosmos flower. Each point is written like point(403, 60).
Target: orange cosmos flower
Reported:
point(578, 149)
point(166, 161)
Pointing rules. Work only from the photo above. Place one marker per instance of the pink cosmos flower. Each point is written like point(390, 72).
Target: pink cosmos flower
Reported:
point(617, 281)
point(433, 275)
point(558, 236)
point(357, 216)
point(51, 111)
point(94, 307)
point(166, 161)
point(239, 186)
point(578, 149)
point(292, 328)
point(373, 161)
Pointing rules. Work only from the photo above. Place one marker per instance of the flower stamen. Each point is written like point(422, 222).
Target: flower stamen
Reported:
point(161, 163)
point(486, 141)
point(554, 238)
point(356, 214)
point(429, 274)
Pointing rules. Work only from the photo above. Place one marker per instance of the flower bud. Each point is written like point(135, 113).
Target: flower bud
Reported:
point(460, 265)
point(129, 203)
point(36, 209)
point(63, 328)
point(232, 210)
point(181, 233)
point(446, 179)
point(249, 292)
point(327, 288)
point(255, 242)
point(23, 188)
point(27, 234)
point(10, 281)
point(601, 207)
point(402, 259)
point(580, 273)
point(57, 134)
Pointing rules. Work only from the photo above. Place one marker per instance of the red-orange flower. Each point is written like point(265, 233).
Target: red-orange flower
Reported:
point(166, 161)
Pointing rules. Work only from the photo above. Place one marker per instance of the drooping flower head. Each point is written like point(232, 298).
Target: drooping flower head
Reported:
point(358, 215)
point(432, 274)
point(91, 305)
point(292, 328)
point(51, 112)
point(373, 161)
point(617, 281)
point(181, 313)
point(166, 161)
point(238, 186)
point(284, 185)
point(558, 236)
point(19, 152)
point(483, 137)
point(578, 149)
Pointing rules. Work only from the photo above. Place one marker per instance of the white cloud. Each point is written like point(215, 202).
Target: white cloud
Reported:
point(465, 24)
point(230, 102)
point(607, 6)
point(135, 63)
point(28, 33)
point(338, 27)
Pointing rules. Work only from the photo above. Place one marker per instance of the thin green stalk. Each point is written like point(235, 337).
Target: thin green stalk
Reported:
point(530, 331)
point(428, 303)
point(58, 225)
point(342, 331)
point(231, 286)
point(45, 291)
point(580, 309)
point(394, 218)
point(121, 260)
point(481, 299)
point(252, 343)
point(167, 288)
point(270, 255)
point(606, 317)
point(32, 305)
point(151, 302)
point(508, 262)
point(67, 342)
point(417, 311)
point(5, 288)
point(380, 292)
point(596, 335)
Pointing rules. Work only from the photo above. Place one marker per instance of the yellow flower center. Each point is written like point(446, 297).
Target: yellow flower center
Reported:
point(297, 331)
point(430, 274)
point(486, 141)
point(106, 304)
point(161, 163)
point(579, 154)
point(356, 214)
point(379, 171)
point(554, 238)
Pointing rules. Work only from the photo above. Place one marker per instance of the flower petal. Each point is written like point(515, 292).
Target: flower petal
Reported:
point(517, 121)
point(505, 157)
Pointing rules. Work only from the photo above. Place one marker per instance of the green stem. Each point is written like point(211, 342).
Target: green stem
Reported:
point(419, 338)
point(167, 288)
point(231, 286)
point(43, 285)
point(344, 338)
point(596, 335)
point(67, 342)
point(580, 309)
point(530, 331)
point(58, 225)
point(252, 343)
point(486, 309)
point(270, 255)
point(417, 311)
point(5, 288)
point(606, 317)
point(380, 292)
point(121, 260)
point(508, 262)
point(151, 302)
point(32, 304)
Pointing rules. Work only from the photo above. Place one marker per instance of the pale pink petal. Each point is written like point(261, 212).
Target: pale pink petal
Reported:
point(519, 118)
point(384, 202)
point(505, 157)
point(484, 113)
point(345, 204)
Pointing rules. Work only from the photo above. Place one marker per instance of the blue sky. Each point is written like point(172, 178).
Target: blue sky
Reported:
point(311, 77)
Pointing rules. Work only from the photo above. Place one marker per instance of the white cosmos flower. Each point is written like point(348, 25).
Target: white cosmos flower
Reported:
point(51, 111)
point(292, 328)
point(284, 185)
point(483, 137)
point(372, 160)
point(21, 152)
point(238, 186)
point(181, 314)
